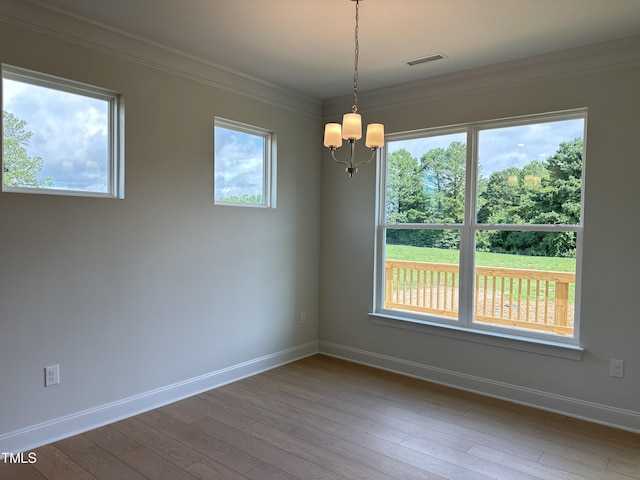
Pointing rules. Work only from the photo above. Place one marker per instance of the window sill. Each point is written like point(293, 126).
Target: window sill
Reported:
point(513, 342)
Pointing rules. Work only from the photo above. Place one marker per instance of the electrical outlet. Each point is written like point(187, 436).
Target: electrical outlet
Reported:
point(51, 375)
point(303, 317)
point(616, 368)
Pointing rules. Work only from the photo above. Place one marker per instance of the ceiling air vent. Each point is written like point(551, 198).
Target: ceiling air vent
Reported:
point(428, 58)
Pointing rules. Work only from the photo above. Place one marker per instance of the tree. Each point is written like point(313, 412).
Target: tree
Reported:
point(444, 172)
point(546, 192)
point(406, 196)
point(20, 170)
point(561, 192)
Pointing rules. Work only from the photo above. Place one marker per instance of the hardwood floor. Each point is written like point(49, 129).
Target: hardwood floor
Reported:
point(323, 418)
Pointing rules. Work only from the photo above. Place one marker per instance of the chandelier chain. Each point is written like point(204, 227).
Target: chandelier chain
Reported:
point(356, 54)
point(351, 128)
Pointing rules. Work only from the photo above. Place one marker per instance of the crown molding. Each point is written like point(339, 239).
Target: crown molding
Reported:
point(37, 16)
point(612, 55)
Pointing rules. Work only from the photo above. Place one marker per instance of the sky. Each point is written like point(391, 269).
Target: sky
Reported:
point(70, 133)
point(500, 148)
point(239, 159)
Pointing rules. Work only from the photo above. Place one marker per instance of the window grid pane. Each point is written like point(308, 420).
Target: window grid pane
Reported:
point(242, 164)
point(422, 279)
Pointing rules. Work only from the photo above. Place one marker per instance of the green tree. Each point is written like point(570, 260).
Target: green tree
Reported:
point(245, 198)
point(19, 169)
point(406, 199)
point(406, 196)
point(546, 192)
point(560, 195)
point(444, 173)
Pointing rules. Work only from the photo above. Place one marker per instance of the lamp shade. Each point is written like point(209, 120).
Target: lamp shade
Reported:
point(351, 126)
point(375, 135)
point(332, 135)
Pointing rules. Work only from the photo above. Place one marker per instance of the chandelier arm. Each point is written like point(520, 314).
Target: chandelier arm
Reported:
point(373, 155)
point(333, 155)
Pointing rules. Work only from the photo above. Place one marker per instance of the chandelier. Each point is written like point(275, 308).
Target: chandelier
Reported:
point(351, 128)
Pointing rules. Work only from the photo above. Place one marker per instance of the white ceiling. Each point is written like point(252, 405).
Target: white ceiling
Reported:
point(307, 45)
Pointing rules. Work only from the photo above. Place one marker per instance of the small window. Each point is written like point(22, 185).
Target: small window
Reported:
point(60, 136)
point(244, 165)
point(480, 226)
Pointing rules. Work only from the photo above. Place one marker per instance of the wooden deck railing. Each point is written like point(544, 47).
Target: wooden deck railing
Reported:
point(518, 298)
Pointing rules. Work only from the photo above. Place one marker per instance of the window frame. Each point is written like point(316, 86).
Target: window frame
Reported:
point(464, 327)
point(115, 107)
point(268, 162)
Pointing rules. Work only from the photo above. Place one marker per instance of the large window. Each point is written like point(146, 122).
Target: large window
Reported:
point(480, 226)
point(59, 136)
point(244, 165)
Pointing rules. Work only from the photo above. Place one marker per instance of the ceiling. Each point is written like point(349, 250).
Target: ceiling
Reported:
point(308, 45)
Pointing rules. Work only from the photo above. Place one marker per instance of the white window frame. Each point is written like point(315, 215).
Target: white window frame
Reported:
point(115, 102)
point(464, 328)
point(268, 162)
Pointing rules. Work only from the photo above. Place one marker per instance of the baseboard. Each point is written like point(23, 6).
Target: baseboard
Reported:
point(603, 414)
point(79, 422)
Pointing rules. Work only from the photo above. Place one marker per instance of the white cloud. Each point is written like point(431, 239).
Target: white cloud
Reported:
point(70, 133)
point(239, 162)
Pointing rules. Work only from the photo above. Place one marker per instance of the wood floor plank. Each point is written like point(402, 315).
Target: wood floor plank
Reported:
point(207, 469)
point(532, 467)
point(323, 388)
point(56, 465)
point(267, 472)
point(465, 460)
point(164, 445)
point(222, 452)
point(418, 459)
point(103, 465)
point(629, 469)
point(219, 412)
point(19, 471)
point(327, 418)
point(328, 459)
point(363, 455)
point(253, 406)
point(283, 410)
point(268, 453)
point(340, 417)
point(455, 427)
point(409, 428)
point(153, 466)
point(587, 471)
point(180, 411)
point(112, 440)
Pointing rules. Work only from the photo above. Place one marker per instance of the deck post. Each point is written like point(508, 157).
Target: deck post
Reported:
point(562, 303)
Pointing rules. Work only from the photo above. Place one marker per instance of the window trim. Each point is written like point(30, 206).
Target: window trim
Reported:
point(464, 328)
point(268, 162)
point(115, 102)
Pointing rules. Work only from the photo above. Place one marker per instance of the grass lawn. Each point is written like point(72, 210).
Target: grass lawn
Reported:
point(484, 259)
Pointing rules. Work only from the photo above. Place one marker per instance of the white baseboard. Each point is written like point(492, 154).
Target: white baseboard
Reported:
point(79, 422)
point(572, 407)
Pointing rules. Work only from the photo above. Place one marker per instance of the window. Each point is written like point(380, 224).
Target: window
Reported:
point(60, 136)
point(480, 227)
point(244, 165)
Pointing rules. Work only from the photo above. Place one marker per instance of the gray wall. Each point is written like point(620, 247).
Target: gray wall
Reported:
point(610, 320)
point(132, 295)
